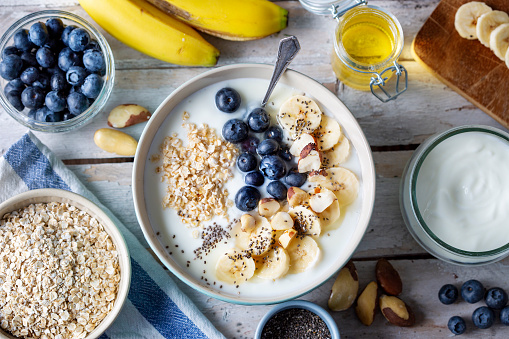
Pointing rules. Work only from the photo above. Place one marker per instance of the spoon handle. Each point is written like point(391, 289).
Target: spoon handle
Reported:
point(288, 49)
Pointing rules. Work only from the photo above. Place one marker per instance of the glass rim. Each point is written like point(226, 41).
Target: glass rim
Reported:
point(99, 102)
point(413, 184)
point(357, 66)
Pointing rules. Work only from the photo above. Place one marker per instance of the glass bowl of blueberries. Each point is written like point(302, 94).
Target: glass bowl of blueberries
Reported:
point(56, 71)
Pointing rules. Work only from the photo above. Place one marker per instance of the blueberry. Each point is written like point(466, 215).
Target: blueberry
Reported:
point(21, 40)
point(457, 325)
point(448, 294)
point(54, 70)
point(284, 153)
point(267, 147)
point(75, 89)
point(504, 316)
point(58, 82)
point(247, 198)
point(29, 59)
point(77, 103)
point(92, 86)
point(76, 75)
point(67, 58)
point(43, 81)
point(227, 100)
point(55, 27)
point(483, 317)
point(29, 75)
point(11, 67)
point(55, 101)
point(496, 298)
point(93, 60)
point(45, 57)
point(273, 167)
point(295, 179)
point(44, 114)
point(78, 39)
point(258, 120)
point(54, 44)
point(9, 50)
point(67, 116)
point(235, 130)
point(254, 178)
point(38, 34)
point(33, 97)
point(65, 34)
point(274, 132)
point(277, 189)
point(15, 99)
point(246, 162)
point(15, 85)
point(93, 45)
point(32, 112)
point(472, 291)
point(250, 144)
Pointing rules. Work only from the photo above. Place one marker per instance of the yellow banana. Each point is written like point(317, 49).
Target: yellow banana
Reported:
point(147, 29)
point(229, 19)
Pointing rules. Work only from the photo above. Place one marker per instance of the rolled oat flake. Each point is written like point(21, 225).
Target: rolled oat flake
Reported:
point(295, 323)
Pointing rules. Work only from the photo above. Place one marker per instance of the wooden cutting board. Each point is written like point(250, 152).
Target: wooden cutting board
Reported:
point(466, 66)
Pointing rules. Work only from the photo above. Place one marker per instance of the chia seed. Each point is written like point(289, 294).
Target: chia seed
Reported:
point(295, 323)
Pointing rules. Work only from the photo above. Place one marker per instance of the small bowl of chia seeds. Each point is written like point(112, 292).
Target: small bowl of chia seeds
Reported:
point(297, 319)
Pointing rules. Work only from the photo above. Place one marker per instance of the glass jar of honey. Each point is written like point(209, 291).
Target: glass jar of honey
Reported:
point(368, 41)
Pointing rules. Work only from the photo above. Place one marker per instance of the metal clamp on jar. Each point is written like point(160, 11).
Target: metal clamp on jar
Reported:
point(367, 44)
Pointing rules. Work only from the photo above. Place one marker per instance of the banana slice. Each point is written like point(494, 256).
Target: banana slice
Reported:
point(305, 221)
point(328, 134)
point(302, 141)
point(338, 179)
point(235, 267)
point(299, 114)
point(487, 24)
point(321, 200)
point(337, 154)
point(499, 41)
point(467, 17)
point(273, 265)
point(304, 253)
point(330, 215)
point(255, 240)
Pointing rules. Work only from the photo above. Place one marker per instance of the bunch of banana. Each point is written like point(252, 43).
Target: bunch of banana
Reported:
point(476, 20)
point(164, 35)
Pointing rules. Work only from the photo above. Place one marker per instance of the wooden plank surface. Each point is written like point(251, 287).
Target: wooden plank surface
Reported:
point(393, 130)
point(467, 66)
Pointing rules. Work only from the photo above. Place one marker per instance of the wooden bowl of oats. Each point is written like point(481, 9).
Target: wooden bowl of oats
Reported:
point(65, 266)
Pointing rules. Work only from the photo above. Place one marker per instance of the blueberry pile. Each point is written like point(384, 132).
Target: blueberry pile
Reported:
point(472, 292)
point(268, 158)
point(54, 70)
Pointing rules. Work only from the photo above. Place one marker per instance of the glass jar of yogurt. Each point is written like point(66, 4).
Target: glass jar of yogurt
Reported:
point(454, 195)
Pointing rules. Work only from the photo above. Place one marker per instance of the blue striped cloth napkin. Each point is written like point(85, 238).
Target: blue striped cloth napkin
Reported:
point(155, 308)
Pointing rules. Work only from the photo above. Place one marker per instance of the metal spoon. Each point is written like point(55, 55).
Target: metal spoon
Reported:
point(288, 49)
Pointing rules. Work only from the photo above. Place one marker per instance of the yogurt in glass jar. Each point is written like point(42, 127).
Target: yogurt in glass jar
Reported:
point(455, 195)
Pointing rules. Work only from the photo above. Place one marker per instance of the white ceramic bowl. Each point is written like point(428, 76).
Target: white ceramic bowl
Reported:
point(47, 195)
point(150, 212)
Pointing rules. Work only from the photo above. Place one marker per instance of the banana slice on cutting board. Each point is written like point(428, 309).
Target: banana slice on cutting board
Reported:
point(337, 154)
point(235, 267)
point(304, 253)
point(343, 182)
point(273, 265)
point(299, 114)
point(257, 240)
point(328, 134)
point(487, 23)
point(305, 221)
point(499, 41)
point(467, 17)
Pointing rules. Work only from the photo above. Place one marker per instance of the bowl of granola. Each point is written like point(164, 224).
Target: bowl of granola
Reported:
point(68, 270)
point(253, 205)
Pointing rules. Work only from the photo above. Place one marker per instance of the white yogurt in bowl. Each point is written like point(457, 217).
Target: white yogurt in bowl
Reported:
point(455, 195)
point(174, 243)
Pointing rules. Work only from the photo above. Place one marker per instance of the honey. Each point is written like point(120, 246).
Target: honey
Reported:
point(367, 41)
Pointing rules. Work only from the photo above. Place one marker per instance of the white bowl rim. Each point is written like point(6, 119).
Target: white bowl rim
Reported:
point(45, 194)
point(256, 71)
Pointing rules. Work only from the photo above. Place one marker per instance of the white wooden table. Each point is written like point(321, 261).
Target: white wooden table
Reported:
point(393, 129)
